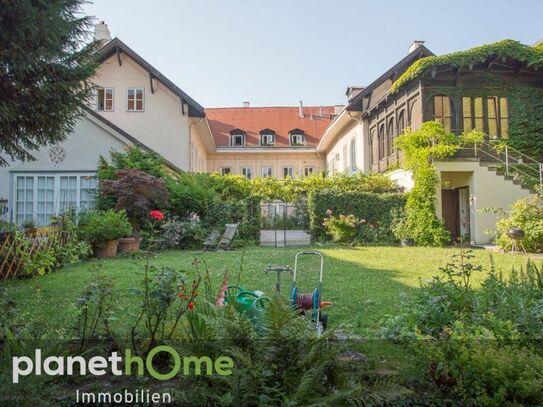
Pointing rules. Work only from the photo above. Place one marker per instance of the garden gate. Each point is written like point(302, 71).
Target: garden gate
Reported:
point(284, 224)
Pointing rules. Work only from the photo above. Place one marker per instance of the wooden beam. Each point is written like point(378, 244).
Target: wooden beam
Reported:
point(118, 51)
point(151, 77)
point(182, 106)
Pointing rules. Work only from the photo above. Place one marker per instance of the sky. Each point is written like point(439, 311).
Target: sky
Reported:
point(277, 52)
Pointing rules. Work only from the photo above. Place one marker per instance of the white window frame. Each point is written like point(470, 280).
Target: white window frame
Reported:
point(308, 171)
point(105, 89)
point(265, 136)
point(247, 172)
point(142, 100)
point(288, 172)
point(56, 188)
point(268, 171)
point(296, 135)
point(225, 170)
point(232, 136)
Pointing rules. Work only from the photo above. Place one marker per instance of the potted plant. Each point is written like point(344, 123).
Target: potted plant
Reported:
point(137, 193)
point(29, 226)
point(102, 229)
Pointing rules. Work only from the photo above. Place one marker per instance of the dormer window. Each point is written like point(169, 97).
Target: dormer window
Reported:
point(267, 137)
point(297, 138)
point(237, 139)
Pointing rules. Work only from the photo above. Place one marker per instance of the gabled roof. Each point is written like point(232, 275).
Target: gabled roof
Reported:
point(282, 120)
point(400, 67)
point(117, 46)
point(129, 138)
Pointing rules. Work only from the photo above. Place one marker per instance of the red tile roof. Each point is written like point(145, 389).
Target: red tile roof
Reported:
point(252, 120)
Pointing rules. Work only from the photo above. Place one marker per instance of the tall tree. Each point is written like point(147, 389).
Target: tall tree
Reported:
point(46, 63)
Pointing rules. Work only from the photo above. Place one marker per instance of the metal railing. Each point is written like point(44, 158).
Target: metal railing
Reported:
point(525, 169)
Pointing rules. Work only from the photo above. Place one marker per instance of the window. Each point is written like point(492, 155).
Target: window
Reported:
point(442, 111)
point(308, 171)
point(237, 140)
point(352, 154)
point(226, 170)
point(345, 159)
point(105, 99)
point(487, 114)
point(390, 136)
point(266, 172)
point(288, 172)
point(39, 197)
point(372, 144)
point(296, 139)
point(87, 192)
point(401, 123)
point(134, 100)
point(267, 139)
point(381, 141)
point(247, 172)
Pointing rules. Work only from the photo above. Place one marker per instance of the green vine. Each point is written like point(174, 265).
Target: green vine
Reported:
point(533, 56)
point(421, 148)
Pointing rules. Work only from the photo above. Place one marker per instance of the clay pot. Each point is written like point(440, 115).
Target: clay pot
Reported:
point(107, 249)
point(129, 245)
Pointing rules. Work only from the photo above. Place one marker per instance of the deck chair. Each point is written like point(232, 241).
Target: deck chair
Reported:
point(211, 239)
point(229, 233)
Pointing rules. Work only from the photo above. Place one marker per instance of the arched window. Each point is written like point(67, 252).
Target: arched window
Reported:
point(381, 141)
point(390, 136)
point(373, 135)
point(401, 123)
point(441, 110)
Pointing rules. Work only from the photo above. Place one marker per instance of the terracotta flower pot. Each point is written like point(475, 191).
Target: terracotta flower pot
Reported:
point(129, 245)
point(107, 249)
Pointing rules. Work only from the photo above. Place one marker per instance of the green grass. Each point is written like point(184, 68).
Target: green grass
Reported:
point(364, 283)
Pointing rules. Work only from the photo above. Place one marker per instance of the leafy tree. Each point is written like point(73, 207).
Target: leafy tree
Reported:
point(45, 71)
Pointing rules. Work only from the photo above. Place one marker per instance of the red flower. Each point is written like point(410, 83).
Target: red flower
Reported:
point(190, 306)
point(157, 215)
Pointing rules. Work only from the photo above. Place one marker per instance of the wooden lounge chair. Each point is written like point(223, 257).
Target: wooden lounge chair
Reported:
point(211, 239)
point(229, 233)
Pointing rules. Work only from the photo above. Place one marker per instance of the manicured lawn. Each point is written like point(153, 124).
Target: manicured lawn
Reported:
point(364, 283)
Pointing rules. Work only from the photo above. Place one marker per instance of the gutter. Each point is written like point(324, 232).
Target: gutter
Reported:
point(338, 124)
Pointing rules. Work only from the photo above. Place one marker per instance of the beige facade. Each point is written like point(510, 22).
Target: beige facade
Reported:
point(161, 124)
point(258, 161)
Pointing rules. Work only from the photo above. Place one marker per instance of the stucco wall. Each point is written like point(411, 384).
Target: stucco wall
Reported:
point(257, 160)
point(342, 144)
point(161, 126)
point(486, 189)
point(83, 148)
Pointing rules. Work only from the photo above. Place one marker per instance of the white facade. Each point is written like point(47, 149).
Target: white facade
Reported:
point(62, 176)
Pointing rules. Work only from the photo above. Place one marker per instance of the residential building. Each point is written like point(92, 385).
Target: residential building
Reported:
point(267, 141)
point(461, 98)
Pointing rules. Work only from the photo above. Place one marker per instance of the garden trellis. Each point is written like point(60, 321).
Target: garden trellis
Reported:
point(15, 250)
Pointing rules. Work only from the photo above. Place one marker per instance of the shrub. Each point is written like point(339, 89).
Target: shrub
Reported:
point(342, 229)
point(135, 192)
point(100, 226)
point(375, 209)
point(182, 233)
point(527, 214)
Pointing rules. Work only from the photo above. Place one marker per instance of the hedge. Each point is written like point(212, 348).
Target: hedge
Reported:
point(375, 208)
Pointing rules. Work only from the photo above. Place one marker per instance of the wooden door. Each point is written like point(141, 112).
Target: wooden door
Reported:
point(450, 212)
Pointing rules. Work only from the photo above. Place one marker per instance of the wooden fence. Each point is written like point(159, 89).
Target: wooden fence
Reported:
point(13, 250)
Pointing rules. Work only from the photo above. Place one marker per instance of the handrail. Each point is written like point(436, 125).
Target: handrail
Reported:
point(523, 166)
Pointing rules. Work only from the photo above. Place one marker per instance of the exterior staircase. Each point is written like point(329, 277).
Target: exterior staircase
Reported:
point(511, 164)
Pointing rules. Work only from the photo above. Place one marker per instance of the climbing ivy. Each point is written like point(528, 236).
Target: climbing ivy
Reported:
point(421, 147)
point(533, 56)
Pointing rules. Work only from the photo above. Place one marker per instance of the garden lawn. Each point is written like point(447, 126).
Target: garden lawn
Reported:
point(364, 283)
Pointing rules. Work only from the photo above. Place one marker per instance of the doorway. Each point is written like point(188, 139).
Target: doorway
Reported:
point(455, 209)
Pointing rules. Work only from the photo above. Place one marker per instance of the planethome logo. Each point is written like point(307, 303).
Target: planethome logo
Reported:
point(117, 365)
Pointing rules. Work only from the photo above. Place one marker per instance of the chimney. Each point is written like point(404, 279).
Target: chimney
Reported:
point(101, 32)
point(338, 109)
point(246, 104)
point(416, 44)
point(301, 110)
